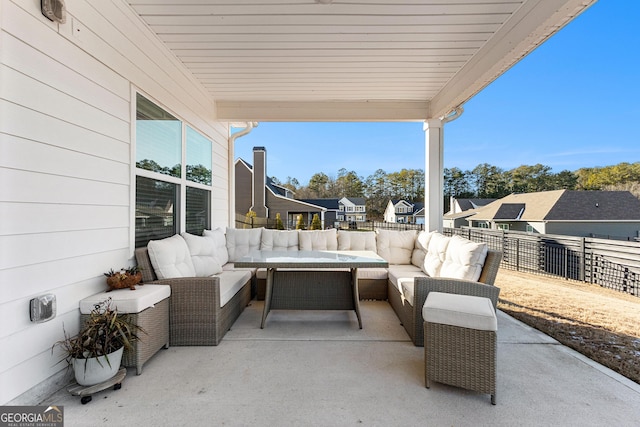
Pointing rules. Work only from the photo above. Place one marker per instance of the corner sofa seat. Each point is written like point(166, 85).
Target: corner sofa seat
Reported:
point(408, 300)
point(201, 309)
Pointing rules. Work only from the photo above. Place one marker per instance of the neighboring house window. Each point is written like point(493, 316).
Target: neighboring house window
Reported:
point(482, 225)
point(173, 175)
point(530, 229)
point(502, 226)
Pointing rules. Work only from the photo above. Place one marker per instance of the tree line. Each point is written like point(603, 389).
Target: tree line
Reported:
point(487, 181)
point(483, 181)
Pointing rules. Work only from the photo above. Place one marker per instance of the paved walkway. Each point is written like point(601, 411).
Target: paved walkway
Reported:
point(319, 369)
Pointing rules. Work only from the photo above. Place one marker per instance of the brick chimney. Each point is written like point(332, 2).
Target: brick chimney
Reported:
point(259, 181)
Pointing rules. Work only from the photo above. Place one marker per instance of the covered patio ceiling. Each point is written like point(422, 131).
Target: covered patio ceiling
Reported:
point(350, 60)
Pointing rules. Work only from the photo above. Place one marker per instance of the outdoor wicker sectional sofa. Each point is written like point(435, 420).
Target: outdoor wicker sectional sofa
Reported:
point(208, 293)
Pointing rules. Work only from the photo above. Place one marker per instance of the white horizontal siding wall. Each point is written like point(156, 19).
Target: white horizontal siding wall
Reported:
point(66, 174)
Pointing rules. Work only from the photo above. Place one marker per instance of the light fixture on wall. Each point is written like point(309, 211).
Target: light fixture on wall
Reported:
point(54, 10)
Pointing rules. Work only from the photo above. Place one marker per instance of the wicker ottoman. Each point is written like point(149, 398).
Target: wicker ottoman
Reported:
point(149, 306)
point(460, 342)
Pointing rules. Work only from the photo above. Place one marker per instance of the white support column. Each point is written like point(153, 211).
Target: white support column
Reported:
point(433, 174)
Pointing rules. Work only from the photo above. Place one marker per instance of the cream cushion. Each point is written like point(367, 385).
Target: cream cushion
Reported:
point(421, 247)
point(401, 273)
point(464, 259)
point(357, 241)
point(395, 246)
point(464, 311)
point(170, 258)
point(202, 250)
point(240, 242)
point(219, 243)
point(279, 240)
point(318, 240)
point(128, 301)
point(436, 254)
point(230, 283)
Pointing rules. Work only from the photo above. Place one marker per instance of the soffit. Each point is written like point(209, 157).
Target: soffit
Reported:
point(349, 60)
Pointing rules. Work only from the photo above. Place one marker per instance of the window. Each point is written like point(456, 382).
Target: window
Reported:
point(173, 175)
point(502, 227)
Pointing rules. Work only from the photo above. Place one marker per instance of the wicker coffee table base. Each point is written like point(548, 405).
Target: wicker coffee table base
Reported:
point(311, 290)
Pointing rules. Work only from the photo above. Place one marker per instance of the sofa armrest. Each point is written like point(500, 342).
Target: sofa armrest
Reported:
point(424, 285)
point(490, 267)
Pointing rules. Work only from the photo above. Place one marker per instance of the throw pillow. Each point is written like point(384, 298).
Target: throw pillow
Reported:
point(464, 259)
point(279, 240)
point(318, 240)
point(357, 241)
point(220, 244)
point(436, 254)
point(420, 250)
point(242, 241)
point(396, 246)
point(170, 258)
point(202, 249)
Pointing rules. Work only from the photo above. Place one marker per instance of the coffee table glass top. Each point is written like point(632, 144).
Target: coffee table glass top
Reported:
point(311, 259)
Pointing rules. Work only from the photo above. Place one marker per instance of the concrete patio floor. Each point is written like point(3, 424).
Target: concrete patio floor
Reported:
point(319, 369)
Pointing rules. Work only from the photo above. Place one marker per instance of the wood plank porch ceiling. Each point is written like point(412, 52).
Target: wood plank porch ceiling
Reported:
point(350, 59)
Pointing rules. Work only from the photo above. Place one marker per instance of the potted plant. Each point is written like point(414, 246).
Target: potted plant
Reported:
point(124, 278)
point(96, 352)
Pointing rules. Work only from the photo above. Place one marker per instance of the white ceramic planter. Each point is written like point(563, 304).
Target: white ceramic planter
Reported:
point(96, 370)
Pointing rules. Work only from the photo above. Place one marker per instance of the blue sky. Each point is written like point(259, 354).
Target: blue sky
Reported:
point(572, 103)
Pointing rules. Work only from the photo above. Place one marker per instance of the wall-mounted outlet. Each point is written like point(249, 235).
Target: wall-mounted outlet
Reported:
point(54, 10)
point(42, 308)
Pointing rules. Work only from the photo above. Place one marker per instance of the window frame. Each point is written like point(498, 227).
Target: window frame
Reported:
point(182, 182)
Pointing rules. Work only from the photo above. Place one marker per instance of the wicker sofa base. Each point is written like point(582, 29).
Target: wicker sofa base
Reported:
point(155, 322)
point(405, 313)
point(194, 325)
point(460, 357)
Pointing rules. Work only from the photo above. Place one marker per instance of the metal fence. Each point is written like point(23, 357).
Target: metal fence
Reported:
point(613, 264)
point(244, 222)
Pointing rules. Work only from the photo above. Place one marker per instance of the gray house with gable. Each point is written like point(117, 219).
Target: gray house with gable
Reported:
point(566, 212)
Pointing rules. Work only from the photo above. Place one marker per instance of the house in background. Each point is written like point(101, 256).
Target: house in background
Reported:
point(352, 209)
point(255, 191)
point(572, 213)
point(403, 212)
point(460, 210)
point(340, 210)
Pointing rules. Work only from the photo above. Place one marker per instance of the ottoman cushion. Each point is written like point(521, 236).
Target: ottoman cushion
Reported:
point(128, 301)
point(460, 310)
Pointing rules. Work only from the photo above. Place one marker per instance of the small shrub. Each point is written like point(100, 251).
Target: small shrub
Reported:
point(315, 223)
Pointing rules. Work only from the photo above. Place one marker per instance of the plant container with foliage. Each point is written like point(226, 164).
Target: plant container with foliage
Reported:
point(96, 352)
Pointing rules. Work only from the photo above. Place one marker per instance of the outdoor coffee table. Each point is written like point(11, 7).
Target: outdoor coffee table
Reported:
point(311, 280)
